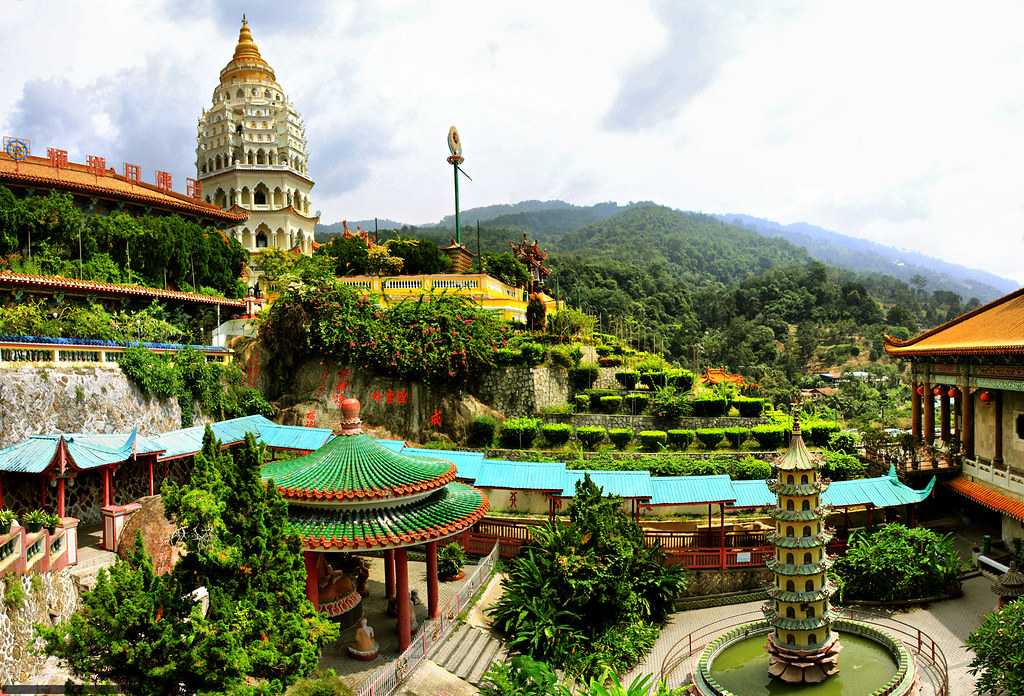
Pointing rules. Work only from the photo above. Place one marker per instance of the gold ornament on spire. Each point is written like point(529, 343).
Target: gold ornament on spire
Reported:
point(247, 61)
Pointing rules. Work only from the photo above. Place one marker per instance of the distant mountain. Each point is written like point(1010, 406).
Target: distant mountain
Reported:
point(489, 212)
point(864, 256)
point(323, 232)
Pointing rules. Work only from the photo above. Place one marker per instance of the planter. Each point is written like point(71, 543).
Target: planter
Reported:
point(5, 528)
point(33, 527)
point(452, 578)
point(51, 530)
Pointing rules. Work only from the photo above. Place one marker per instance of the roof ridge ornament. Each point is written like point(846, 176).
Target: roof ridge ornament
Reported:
point(351, 424)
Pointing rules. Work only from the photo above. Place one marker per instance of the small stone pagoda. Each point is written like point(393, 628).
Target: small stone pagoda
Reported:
point(802, 646)
point(354, 495)
point(1009, 586)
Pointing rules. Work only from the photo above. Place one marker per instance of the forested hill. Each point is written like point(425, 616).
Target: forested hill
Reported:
point(870, 257)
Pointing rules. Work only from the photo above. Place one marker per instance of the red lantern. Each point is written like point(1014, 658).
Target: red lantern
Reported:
point(920, 390)
point(951, 393)
point(985, 397)
point(937, 391)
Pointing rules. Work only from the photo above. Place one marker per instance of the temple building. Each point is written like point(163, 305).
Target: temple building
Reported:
point(802, 646)
point(251, 152)
point(973, 366)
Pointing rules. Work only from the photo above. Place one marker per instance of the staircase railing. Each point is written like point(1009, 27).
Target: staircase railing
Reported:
point(386, 680)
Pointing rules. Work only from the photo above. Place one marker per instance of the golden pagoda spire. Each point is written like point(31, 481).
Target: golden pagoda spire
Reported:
point(246, 61)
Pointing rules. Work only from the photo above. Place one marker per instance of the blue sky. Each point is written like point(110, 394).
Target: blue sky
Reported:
point(899, 122)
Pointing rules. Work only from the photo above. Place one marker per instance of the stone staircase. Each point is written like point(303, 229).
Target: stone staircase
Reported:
point(468, 653)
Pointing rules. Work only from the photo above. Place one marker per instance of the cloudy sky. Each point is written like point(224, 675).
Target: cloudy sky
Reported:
point(898, 122)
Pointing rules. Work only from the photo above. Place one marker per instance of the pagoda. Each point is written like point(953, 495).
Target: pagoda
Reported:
point(1009, 586)
point(802, 647)
point(355, 495)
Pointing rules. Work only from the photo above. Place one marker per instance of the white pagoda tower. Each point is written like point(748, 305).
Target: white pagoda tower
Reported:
point(251, 153)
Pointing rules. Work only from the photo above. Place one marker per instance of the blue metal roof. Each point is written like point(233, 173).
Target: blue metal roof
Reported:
point(624, 484)
point(467, 464)
point(686, 490)
point(752, 494)
point(537, 476)
point(34, 454)
point(881, 491)
point(294, 437)
point(393, 445)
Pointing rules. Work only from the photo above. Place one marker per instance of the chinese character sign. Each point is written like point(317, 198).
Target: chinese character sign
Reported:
point(132, 172)
point(194, 188)
point(58, 158)
point(163, 180)
point(97, 164)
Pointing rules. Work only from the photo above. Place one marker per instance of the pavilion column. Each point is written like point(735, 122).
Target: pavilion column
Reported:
point(60, 497)
point(106, 486)
point(929, 414)
point(312, 578)
point(721, 533)
point(944, 415)
point(402, 599)
point(958, 409)
point(433, 605)
point(152, 490)
point(997, 457)
point(967, 421)
point(915, 413)
point(389, 574)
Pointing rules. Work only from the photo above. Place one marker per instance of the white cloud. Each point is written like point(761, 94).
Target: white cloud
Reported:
point(896, 122)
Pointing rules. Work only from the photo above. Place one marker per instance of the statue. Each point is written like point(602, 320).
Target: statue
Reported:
point(365, 647)
point(414, 601)
point(333, 584)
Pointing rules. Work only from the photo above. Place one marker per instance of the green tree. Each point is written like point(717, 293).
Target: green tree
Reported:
point(350, 255)
point(998, 646)
point(507, 268)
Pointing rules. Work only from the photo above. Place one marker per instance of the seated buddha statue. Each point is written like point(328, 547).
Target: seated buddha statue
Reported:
point(364, 647)
point(333, 584)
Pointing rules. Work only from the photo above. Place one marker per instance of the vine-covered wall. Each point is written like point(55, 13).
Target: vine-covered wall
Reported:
point(45, 599)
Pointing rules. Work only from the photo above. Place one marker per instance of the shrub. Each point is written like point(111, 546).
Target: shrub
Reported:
point(998, 646)
point(581, 402)
point(320, 683)
point(842, 467)
point(611, 404)
point(566, 356)
point(749, 407)
point(557, 410)
point(896, 563)
point(710, 438)
point(653, 440)
point(583, 376)
point(655, 379)
point(519, 433)
point(818, 432)
point(845, 442)
point(597, 394)
point(532, 353)
point(736, 436)
point(450, 559)
point(670, 403)
point(569, 323)
point(769, 437)
point(681, 379)
point(610, 361)
point(481, 431)
point(556, 434)
point(750, 468)
point(507, 356)
point(710, 406)
point(680, 439)
point(627, 378)
point(636, 402)
point(591, 435)
point(620, 437)
point(603, 350)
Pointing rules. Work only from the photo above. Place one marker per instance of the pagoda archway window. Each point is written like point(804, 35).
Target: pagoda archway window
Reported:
point(789, 504)
point(803, 479)
point(278, 198)
point(806, 505)
point(790, 613)
point(217, 160)
point(789, 558)
point(238, 129)
point(790, 639)
point(808, 558)
point(810, 612)
point(260, 194)
point(809, 586)
point(807, 530)
point(261, 240)
point(261, 156)
point(790, 531)
point(248, 157)
point(812, 639)
point(789, 479)
point(239, 94)
point(790, 587)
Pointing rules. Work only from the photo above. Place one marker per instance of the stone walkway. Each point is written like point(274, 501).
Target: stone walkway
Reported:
point(948, 623)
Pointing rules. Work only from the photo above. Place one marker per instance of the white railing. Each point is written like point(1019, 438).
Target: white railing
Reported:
point(386, 680)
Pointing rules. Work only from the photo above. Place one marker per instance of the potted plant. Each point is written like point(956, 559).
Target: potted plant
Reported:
point(34, 521)
point(6, 520)
point(52, 522)
point(450, 560)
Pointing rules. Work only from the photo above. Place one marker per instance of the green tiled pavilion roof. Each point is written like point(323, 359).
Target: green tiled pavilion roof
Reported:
point(799, 542)
point(443, 513)
point(356, 467)
point(797, 456)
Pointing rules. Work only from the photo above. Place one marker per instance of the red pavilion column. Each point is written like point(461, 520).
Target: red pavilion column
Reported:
point(106, 487)
point(915, 413)
point(60, 497)
point(402, 599)
point(389, 574)
point(312, 578)
point(433, 606)
point(151, 489)
point(929, 414)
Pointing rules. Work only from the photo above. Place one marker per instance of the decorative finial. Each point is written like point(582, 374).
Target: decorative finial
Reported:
point(350, 421)
point(796, 417)
point(243, 19)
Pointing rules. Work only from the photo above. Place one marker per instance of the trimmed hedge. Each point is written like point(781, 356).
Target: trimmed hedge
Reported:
point(581, 402)
point(565, 356)
point(749, 407)
point(710, 406)
point(556, 434)
point(627, 378)
point(519, 433)
point(636, 402)
point(653, 440)
point(710, 438)
point(736, 436)
point(769, 437)
point(611, 404)
point(818, 432)
point(620, 437)
point(532, 353)
point(591, 435)
point(583, 376)
point(681, 379)
point(654, 379)
point(481, 431)
point(596, 395)
point(749, 468)
point(680, 439)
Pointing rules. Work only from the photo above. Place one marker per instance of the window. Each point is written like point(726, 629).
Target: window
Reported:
point(789, 480)
point(810, 612)
point(1020, 425)
point(260, 197)
point(789, 504)
point(807, 530)
point(261, 240)
point(809, 586)
point(808, 558)
point(812, 639)
point(789, 558)
point(790, 587)
point(806, 505)
point(803, 479)
point(238, 129)
point(790, 531)
point(790, 613)
point(239, 94)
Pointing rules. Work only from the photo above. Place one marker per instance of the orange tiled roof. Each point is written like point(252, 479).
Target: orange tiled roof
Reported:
point(79, 178)
point(992, 499)
point(997, 327)
point(718, 375)
point(26, 280)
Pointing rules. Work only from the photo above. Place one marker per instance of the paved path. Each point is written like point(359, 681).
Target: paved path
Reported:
point(948, 623)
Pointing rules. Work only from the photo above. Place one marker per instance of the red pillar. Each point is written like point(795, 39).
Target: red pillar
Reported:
point(433, 605)
point(60, 497)
point(721, 532)
point(929, 414)
point(152, 491)
point(312, 578)
point(915, 413)
point(389, 574)
point(402, 599)
point(106, 487)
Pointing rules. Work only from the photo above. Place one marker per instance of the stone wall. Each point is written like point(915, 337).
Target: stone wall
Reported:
point(54, 599)
point(638, 423)
point(523, 391)
point(87, 399)
point(710, 582)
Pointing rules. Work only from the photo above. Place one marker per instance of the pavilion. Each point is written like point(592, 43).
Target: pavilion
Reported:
point(355, 494)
